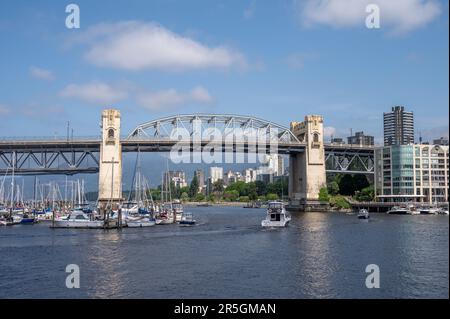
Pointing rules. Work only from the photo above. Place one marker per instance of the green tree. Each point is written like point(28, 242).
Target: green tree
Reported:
point(218, 186)
point(323, 195)
point(200, 197)
point(244, 199)
point(184, 196)
point(333, 188)
point(360, 181)
point(367, 194)
point(261, 188)
point(193, 188)
point(346, 185)
point(231, 195)
point(272, 196)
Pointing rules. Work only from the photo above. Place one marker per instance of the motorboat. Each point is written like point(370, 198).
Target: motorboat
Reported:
point(10, 220)
point(77, 219)
point(276, 215)
point(399, 211)
point(428, 211)
point(187, 219)
point(178, 210)
point(140, 222)
point(442, 211)
point(363, 214)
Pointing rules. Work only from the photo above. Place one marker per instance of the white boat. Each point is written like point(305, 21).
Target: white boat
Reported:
point(276, 215)
point(399, 211)
point(187, 219)
point(177, 208)
point(140, 222)
point(363, 214)
point(77, 219)
point(442, 211)
point(429, 211)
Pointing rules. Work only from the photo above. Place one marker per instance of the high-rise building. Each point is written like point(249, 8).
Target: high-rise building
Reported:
point(360, 139)
point(398, 127)
point(412, 173)
point(201, 179)
point(177, 177)
point(215, 173)
point(250, 175)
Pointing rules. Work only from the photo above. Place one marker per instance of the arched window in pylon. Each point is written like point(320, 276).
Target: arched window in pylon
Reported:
point(316, 137)
point(111, 133)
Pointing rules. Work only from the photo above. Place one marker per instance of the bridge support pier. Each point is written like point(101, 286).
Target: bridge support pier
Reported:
point(110, 163)
point(307, 169)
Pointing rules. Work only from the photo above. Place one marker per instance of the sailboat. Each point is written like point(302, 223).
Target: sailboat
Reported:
point(140, 214)
point(167, 214)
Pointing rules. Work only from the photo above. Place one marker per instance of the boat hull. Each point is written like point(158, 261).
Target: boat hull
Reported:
point(77, 224)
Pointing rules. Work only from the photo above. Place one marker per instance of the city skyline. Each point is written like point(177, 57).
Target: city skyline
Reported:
point(402, 63)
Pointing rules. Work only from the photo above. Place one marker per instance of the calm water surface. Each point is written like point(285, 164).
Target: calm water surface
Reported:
point(228, 255)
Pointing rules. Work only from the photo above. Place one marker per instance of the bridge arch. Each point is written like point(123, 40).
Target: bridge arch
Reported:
point(224, 123)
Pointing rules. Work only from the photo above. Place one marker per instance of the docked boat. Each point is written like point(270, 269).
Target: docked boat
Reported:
point(140, 222)
point(276, 215)
point(363, 214)
point(442, 211)
point(10, 220)
point(399, 211)
point(77, 219)
point(178, 210)
point(166, 216)
point(187, 219)
point(428, 211)
point(28, 219)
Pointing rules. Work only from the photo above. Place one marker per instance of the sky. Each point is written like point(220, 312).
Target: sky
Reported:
point(277, 60)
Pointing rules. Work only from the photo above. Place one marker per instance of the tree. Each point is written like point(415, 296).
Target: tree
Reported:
point(360, 181)
point(272, 196)
point(184, 196)
point(367, 194)
point(199, 197)
point(261, 188)
point(218, 186)
point(193, 188)
point(346, 185)
point(323, 195)
point(252, 194)
point(231, 195)
point(333, 188)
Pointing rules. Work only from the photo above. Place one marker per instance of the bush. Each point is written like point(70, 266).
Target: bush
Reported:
point(272, 197)
point(244, 199)
point(323, 195)
point(340, 202)
point(199, 197)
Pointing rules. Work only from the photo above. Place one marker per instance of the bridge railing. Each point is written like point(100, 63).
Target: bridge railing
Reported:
point(49, 138)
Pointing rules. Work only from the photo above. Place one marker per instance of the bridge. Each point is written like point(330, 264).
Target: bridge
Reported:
point(310, 157)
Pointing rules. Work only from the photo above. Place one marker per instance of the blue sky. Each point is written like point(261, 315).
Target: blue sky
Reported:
point(277, 60)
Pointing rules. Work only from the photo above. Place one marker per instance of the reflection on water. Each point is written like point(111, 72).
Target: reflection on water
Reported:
point(228, 255)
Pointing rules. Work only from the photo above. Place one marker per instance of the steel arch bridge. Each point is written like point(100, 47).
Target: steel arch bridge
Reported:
point(53, 155)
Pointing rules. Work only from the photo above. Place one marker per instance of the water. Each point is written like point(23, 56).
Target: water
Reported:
point(228, 255)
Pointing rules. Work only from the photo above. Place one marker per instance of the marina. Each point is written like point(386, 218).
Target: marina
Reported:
point(322, 255)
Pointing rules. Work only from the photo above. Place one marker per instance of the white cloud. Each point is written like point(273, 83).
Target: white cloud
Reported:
point(137, 46)
point(400, 16)
point(171, 98)
point(41, 74)
point(329, 131)
point(94, 92)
